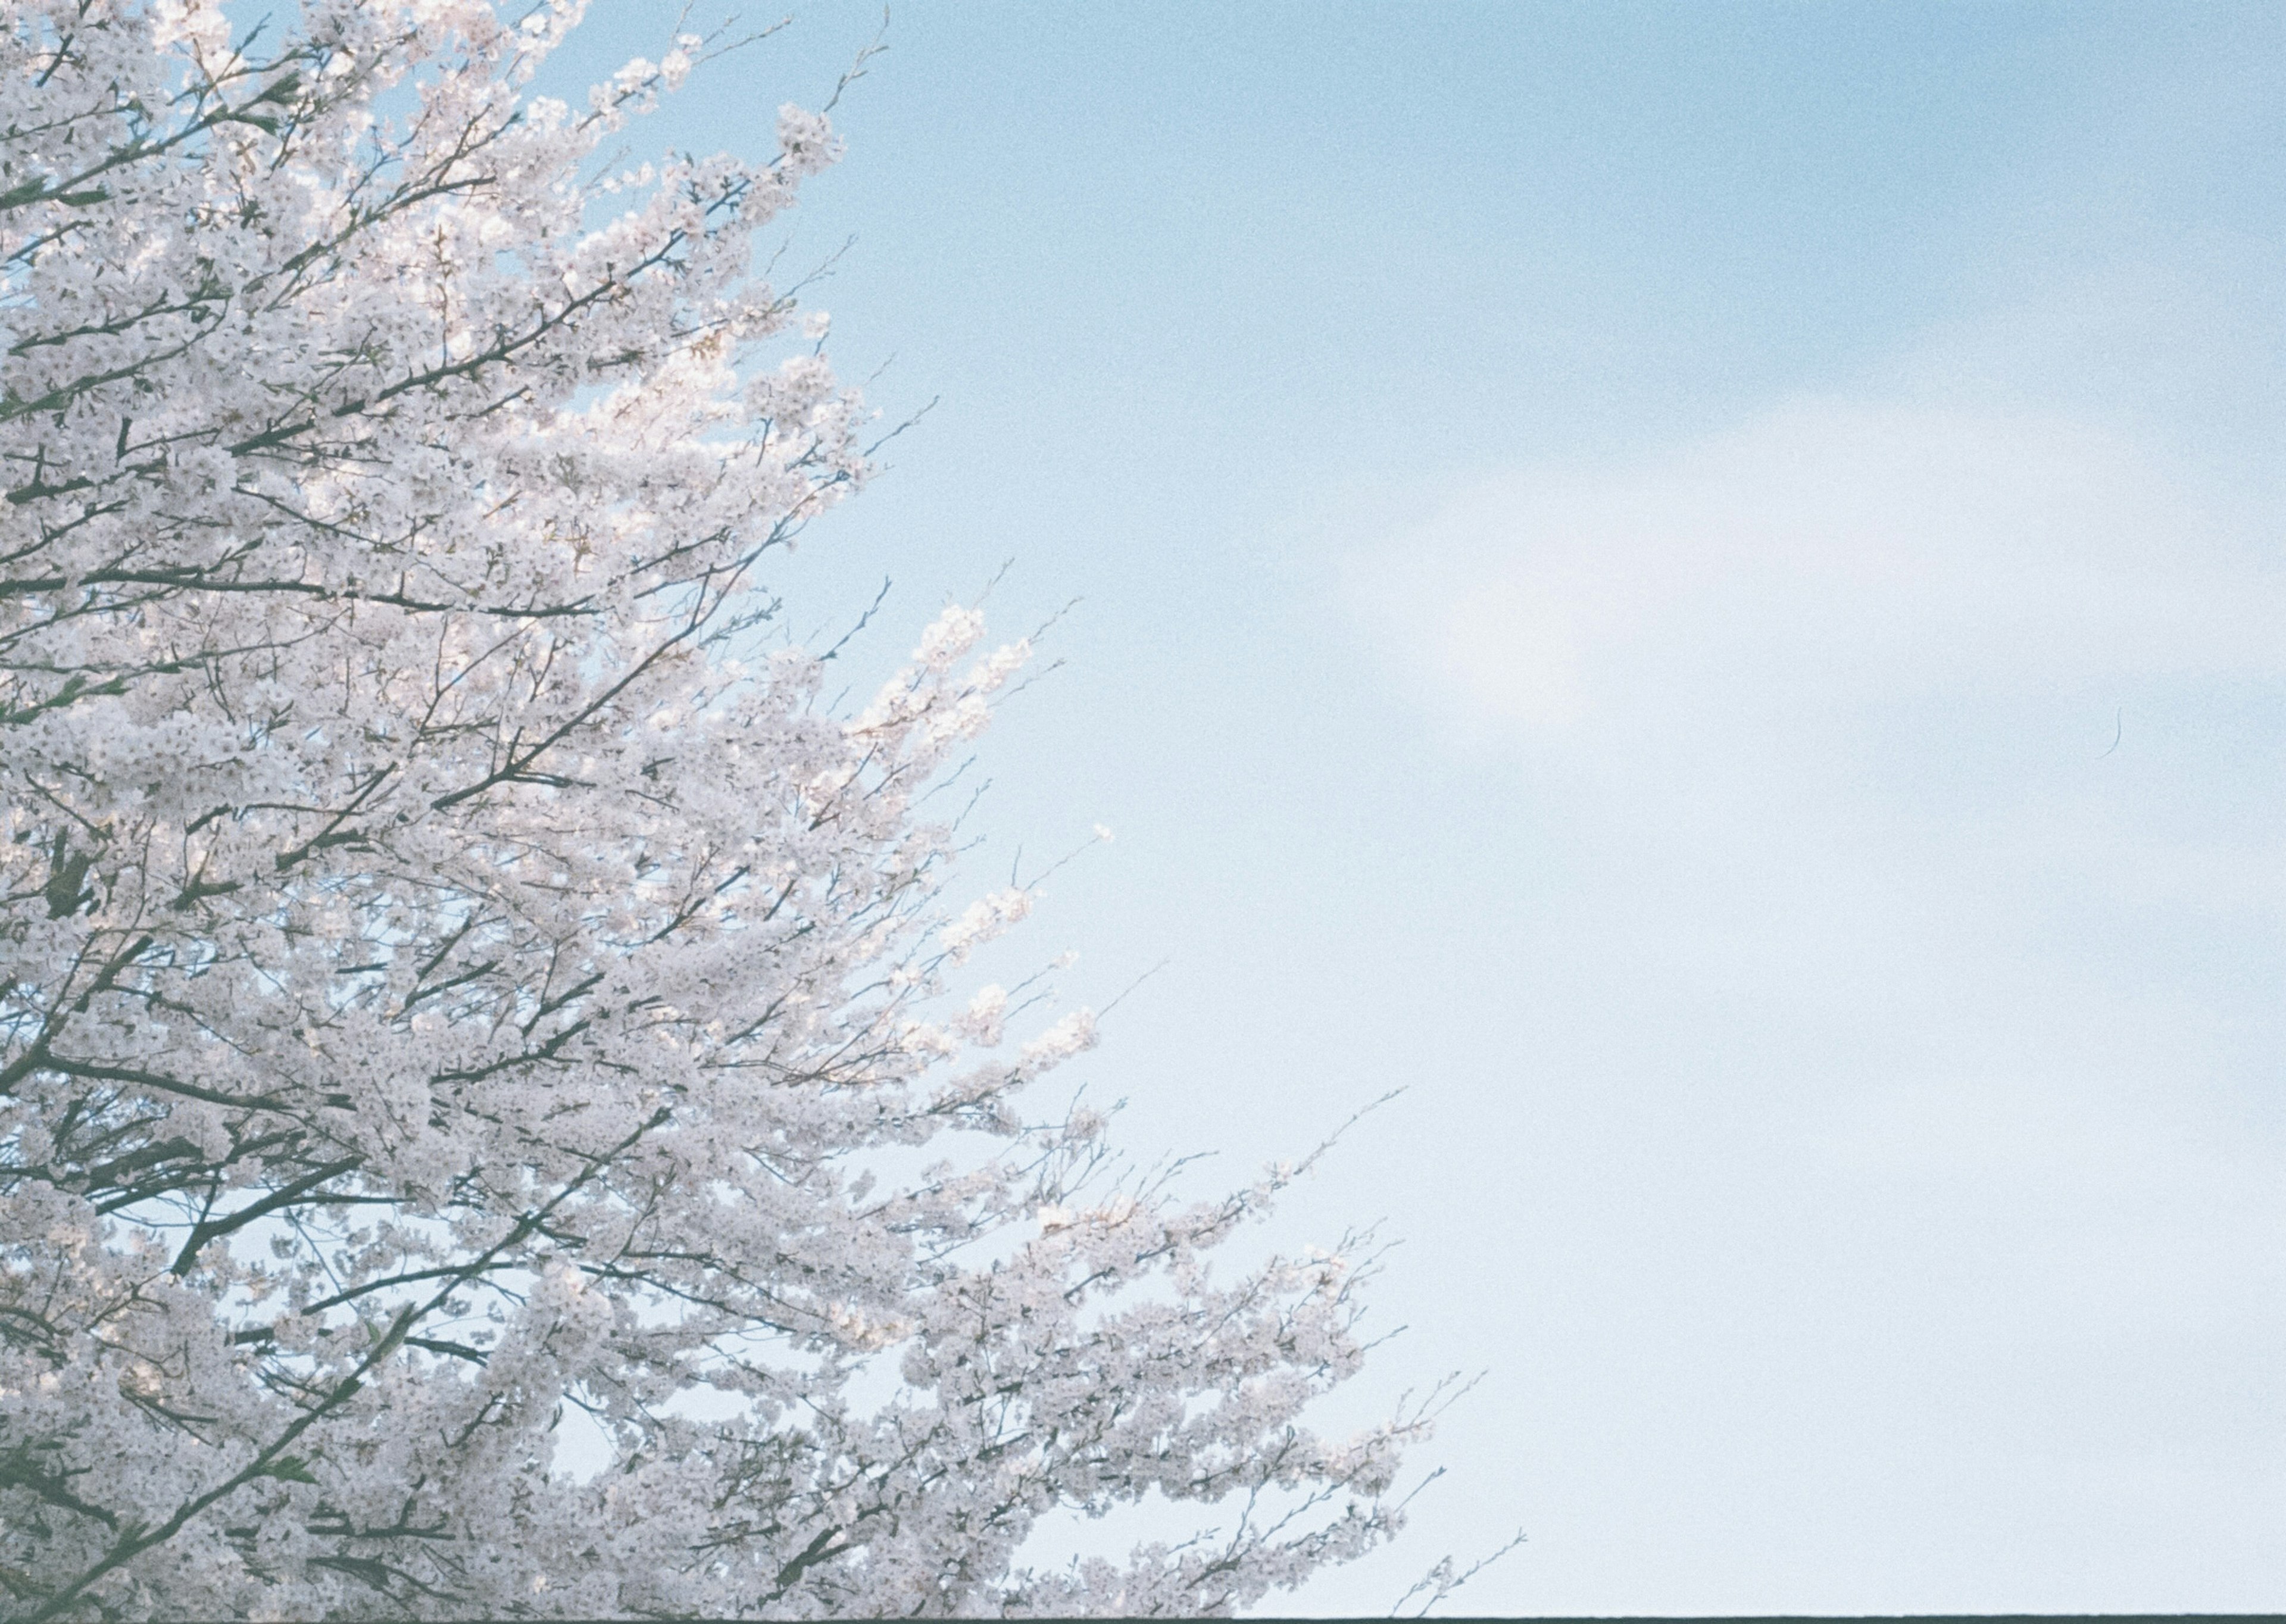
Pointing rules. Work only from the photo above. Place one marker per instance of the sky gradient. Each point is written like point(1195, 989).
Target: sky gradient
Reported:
point(1700, 588)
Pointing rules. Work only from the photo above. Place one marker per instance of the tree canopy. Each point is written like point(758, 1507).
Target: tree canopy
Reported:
point(457, 972)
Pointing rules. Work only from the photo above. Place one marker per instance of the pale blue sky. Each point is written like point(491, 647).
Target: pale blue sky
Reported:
point(1615, 543)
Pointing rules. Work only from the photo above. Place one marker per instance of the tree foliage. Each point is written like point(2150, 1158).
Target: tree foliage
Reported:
point(455, 972)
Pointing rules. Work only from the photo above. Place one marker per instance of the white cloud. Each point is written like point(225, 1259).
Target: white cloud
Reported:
point(1894, 1059)
point(1828, 556)
point(1822, 710)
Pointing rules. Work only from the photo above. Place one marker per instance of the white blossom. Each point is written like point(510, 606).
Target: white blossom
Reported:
point(983, 919)
point(451, 979)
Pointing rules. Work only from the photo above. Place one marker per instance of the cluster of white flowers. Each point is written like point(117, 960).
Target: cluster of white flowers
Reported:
point(441, 987)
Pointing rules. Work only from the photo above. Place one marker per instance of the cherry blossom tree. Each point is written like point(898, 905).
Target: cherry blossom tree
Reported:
point(458, 977)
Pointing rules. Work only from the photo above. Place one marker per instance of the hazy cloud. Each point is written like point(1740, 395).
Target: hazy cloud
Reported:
point(1830, 556)
point(1905, 778)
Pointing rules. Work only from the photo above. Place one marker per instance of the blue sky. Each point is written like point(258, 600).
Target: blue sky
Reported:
point(1699, 587)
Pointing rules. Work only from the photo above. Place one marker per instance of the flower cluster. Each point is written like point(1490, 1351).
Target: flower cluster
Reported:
point(443, 988)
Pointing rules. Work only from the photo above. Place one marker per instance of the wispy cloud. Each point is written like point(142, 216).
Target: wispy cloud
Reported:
point(1828, 557)
point(1872, 696)
point(1906, 779)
